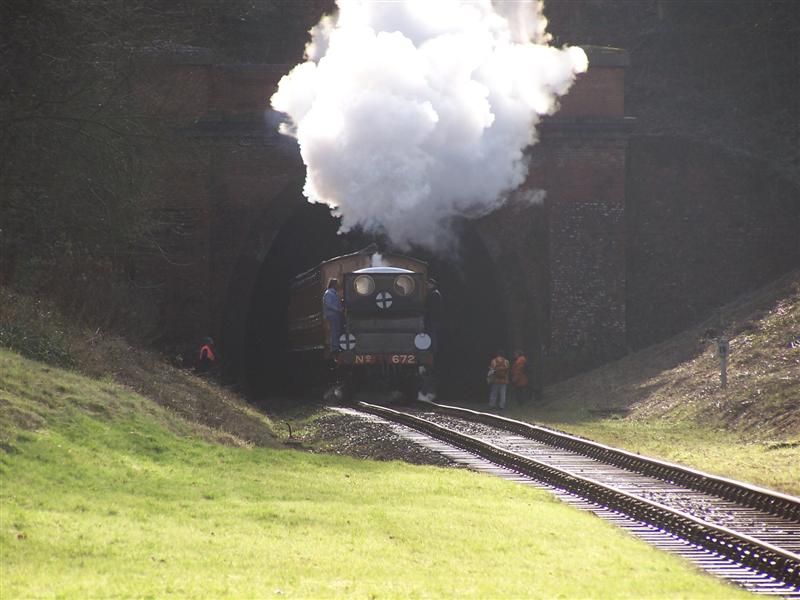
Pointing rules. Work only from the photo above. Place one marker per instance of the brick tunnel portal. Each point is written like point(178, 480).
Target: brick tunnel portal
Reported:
point(575, 280)
point(549, 278)
point(474, 322)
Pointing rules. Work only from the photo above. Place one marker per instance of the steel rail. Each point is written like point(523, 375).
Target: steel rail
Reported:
point(782, 505)
point(776, 562)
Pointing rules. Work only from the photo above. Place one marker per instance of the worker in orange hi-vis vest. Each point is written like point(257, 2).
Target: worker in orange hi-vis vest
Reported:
point(520, 387)
point(207, 357)
point(498, 380)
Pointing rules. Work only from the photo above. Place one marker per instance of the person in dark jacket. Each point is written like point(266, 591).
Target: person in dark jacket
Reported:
point(333, 312)
point(433, 314)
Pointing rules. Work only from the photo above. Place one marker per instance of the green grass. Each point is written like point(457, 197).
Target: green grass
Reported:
point(103, 493)
point(773, 465)
point(36, 329)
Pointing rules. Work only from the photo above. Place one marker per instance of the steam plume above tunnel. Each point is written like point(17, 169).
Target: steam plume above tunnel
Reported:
point(413, 113)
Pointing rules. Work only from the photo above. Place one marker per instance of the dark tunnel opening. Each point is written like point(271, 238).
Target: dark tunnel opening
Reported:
point(474, 321)
point(473, 325)
point(308, 238)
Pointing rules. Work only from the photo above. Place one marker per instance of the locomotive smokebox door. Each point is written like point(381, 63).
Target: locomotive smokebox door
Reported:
point(384, 292)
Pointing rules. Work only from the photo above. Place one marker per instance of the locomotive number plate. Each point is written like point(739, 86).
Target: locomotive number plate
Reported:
point(393, 359)
point(403, 359)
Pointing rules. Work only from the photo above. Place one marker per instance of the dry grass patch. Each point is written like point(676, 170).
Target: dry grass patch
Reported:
point(679, 378)
point(666, 400)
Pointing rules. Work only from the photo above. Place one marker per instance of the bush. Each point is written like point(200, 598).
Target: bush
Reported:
point(30, 328)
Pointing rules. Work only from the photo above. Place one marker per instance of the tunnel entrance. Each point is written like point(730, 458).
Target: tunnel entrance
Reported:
point(308, 238)
point(473, 327)
point(474, 320)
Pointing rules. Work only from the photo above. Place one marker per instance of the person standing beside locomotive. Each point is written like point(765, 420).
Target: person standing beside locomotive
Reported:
point(433, 314)
point(333, 312)
point(520, 387)
point(498, 380)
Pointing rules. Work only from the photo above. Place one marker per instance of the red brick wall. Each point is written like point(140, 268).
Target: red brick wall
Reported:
point(600, 92)
point(219, 203)
point(243, 89)
point(203, 90)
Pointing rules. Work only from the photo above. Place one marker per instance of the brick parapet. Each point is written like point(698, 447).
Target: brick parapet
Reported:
point(600, 91)
point(196, 89)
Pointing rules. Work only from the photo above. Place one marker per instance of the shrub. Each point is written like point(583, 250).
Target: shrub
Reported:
point(30, 328)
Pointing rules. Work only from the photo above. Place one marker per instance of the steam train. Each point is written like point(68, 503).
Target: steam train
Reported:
point(383, 344)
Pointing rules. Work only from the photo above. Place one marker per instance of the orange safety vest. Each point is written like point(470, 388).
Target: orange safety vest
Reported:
point(500, 367)
point(518, 376)
point(207, 352)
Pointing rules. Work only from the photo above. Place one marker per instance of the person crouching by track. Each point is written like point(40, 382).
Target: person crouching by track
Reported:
point(520, 387)
point(333, 312)
point(498, 380)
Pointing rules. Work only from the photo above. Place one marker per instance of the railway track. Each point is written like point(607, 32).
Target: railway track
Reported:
point(742, 533)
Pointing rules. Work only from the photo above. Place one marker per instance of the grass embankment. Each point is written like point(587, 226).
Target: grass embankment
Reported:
point(37, 330)
point(666, 401)
point(104, 492)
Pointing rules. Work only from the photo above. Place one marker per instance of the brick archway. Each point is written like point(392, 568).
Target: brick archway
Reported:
point(561, 265)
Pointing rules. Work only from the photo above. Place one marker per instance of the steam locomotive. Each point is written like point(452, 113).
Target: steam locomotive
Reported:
point(384, 344)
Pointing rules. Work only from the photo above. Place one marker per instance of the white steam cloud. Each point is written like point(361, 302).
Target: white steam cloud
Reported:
point(412, 113)
point(377, 260)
